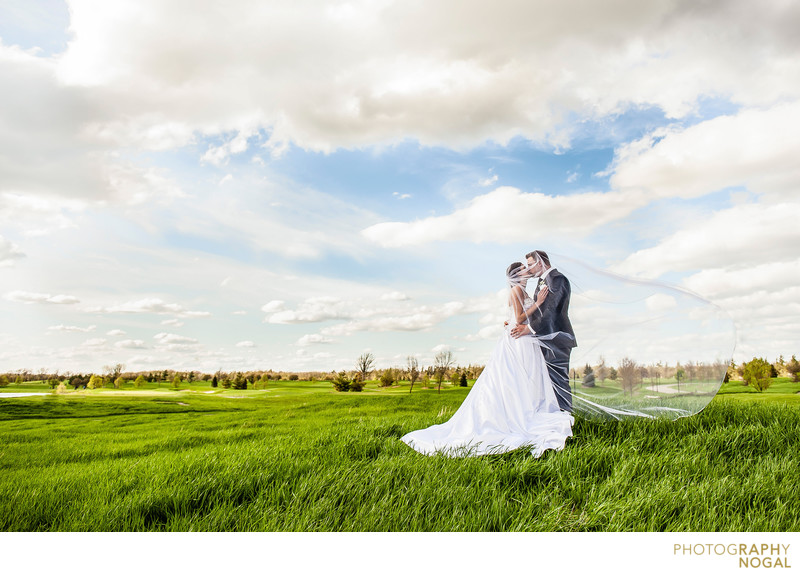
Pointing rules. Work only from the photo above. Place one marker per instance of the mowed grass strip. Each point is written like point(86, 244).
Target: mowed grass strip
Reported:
point(334, 462)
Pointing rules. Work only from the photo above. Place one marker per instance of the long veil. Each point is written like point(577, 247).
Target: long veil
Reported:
point(618, 347)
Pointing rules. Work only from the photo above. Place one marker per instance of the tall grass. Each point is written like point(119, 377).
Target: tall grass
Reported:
point(334, 462)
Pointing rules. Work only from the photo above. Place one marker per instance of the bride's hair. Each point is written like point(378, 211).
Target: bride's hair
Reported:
point(512, 269)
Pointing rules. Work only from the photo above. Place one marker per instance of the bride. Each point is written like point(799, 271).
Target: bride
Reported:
point(512, 403)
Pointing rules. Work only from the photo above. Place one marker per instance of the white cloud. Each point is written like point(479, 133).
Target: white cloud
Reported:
point(739, 237)
point(395, 296)
point(9, 252)
point(173, 339)
point(307, 340)
point(754, 148)
point(154, 306)
point(488, 181)
point(717, 283)
point(172, 323)
point(94, 343)
point(115, 333)
point(40, 298)
point(394, 70)
point(312, 310)
point(246, 344)
point(508, 215)
point(660, 303)
point(490, 332)
point(72, 329)
point(274, 306)
point(401, 196)
point(131, 344)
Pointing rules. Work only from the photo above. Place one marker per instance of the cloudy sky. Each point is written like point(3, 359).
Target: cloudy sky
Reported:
point(284, 185)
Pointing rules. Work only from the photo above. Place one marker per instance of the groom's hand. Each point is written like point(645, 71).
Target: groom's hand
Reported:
point(520, 330)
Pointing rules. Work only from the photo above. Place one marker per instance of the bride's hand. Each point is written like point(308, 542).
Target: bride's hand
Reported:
point(541, 296)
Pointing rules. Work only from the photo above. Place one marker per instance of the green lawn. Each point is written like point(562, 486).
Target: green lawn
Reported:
point(301, 457)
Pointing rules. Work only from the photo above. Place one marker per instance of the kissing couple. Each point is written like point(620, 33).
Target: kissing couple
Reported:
point(522, 398)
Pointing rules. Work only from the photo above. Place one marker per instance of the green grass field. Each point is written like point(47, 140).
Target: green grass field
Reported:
point(300, 457)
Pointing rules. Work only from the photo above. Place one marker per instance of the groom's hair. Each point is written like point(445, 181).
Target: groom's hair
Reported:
point(540, 254)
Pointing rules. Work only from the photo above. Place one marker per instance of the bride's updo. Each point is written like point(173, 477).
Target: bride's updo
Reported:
point(512, 272)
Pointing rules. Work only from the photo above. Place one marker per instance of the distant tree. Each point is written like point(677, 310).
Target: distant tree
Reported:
point(53, 383)
point(364, 365)
point(773, 372)
point(413, 370)
point(793, 367)
point(95, 382)
point(239, 382)
point(294, 377)
point(3, 381)
point(341, 382)
point(442, 363)
point(588, 376)
point(214, 382)
point(757, 374)
point(119, 382)
point(612, 374)
point(602, 370)
point(357, 385)
point(139, 382)
point(680, 375)
point(628, 373)
point(226, 383)
point(387, 378)
point(462, 382)
point(114, 370)
point(18, 380)
point(176, 381)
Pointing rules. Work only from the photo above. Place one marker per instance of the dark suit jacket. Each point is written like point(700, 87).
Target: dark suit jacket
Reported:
point(553, 316)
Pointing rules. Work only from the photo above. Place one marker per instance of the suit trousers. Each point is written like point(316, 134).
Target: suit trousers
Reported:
point(557, 359)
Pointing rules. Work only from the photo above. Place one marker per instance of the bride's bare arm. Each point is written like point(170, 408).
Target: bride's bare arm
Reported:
point(515, 300)
point(523, 315)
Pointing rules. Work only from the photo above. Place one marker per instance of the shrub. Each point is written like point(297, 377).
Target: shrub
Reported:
point(387, 378)
point(757, 374)
point(462, 382)
point(341, 382)
point(239, 382)
point(293, 377)
point(3, 381)
point(793, 367)
point(358, 383)
point(139, 382)
point(119, 383)
point(95, 382)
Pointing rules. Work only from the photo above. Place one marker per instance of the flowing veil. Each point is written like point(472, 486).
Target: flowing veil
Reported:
point(640, 348)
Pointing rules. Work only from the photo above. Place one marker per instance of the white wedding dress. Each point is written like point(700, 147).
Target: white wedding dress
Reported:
point(512, 404)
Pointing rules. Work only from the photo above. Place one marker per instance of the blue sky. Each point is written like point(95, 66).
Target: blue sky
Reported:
point(288, 188)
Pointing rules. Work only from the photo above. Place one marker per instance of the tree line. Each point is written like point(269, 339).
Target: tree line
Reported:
point(628, 373)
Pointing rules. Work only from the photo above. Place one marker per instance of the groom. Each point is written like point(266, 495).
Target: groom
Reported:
point(552, 319)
